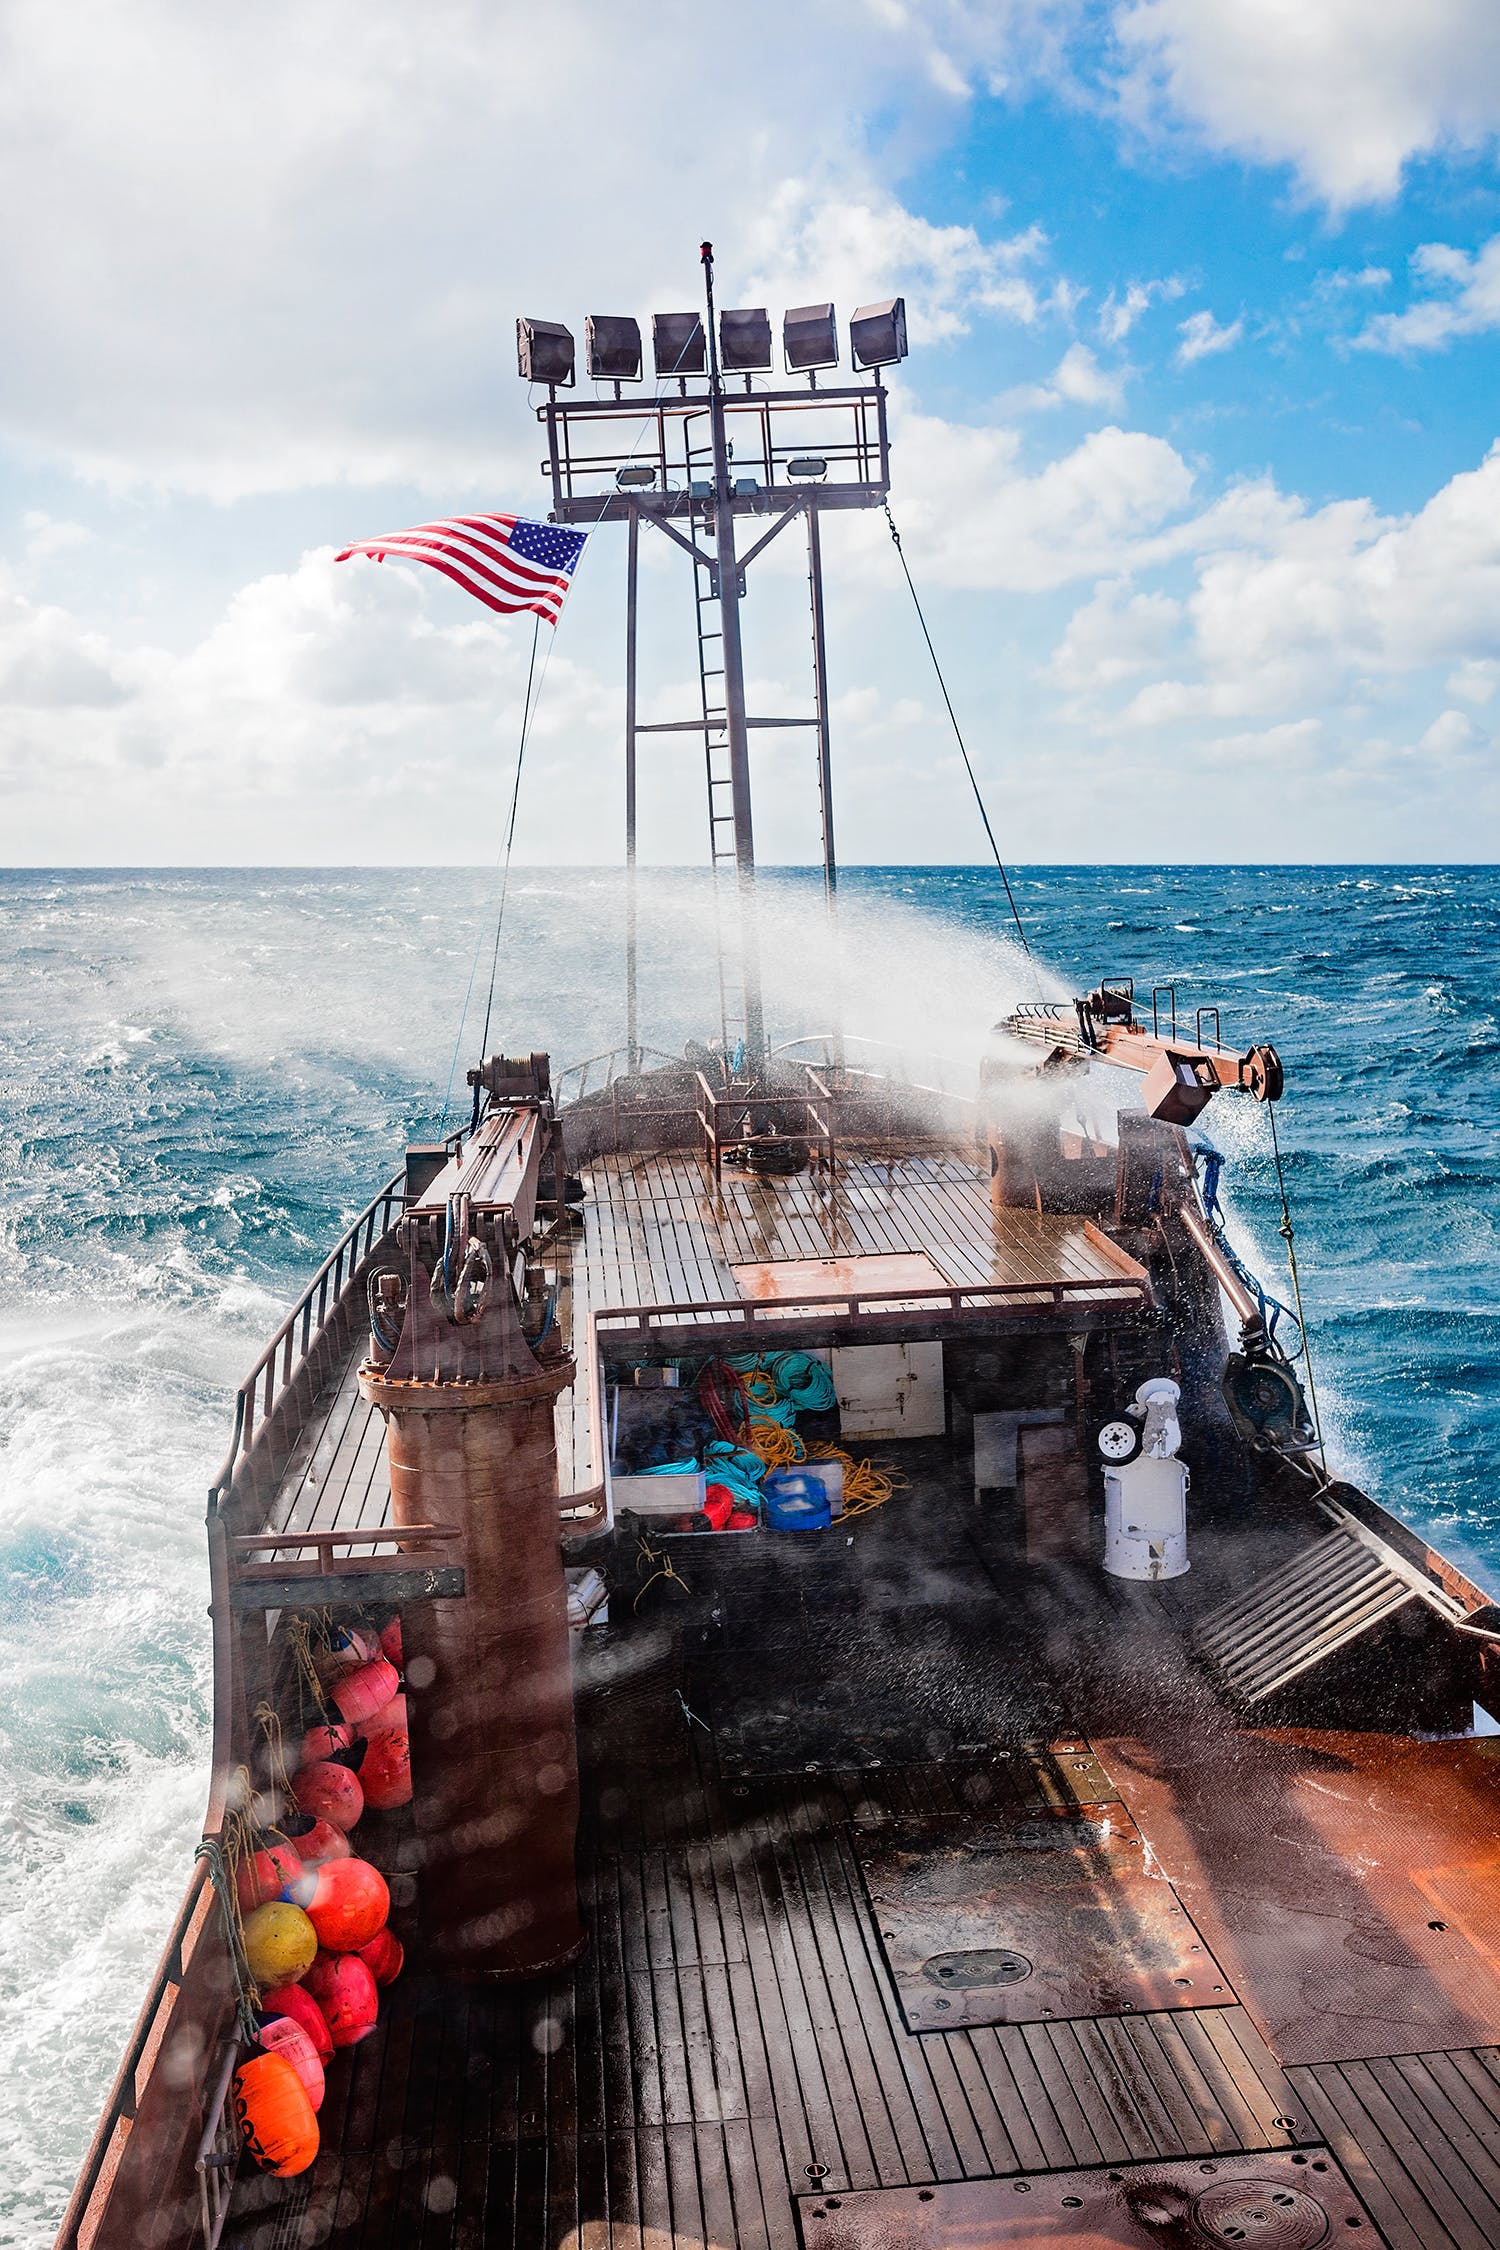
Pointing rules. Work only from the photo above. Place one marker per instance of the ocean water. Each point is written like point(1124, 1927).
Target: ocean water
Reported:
point(206, 1074)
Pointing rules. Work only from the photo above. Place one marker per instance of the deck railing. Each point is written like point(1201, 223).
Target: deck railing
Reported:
point(267, 1386)
point(597, 1072)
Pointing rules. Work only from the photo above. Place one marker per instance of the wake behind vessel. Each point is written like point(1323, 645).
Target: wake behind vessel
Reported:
point(909, 1743)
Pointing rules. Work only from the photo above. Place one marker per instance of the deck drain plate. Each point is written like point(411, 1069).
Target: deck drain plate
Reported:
point(1032, 1916)
point(1274, 2200)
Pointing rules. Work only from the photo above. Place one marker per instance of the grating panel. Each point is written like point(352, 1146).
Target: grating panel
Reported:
point(1038, 1916)
point(1292, 1618)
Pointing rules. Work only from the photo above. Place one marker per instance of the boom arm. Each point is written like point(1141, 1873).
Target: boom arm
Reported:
point(1182, 1076)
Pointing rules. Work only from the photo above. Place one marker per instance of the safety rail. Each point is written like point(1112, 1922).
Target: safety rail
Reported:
point(879, 1308)
point(735, 1101)
point(925, 1072)
point(617, 1061)
point(264, 1388)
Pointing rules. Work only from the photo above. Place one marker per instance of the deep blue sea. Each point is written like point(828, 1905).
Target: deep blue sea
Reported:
point(208, 1073)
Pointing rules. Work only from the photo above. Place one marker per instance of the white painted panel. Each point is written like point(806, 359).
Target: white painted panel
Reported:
point(890, 1390)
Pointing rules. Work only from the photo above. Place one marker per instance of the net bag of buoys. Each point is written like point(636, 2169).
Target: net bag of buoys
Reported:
point(349, 1905)
point(279, 2035)
point(384, 1957)
point(330, 1793)
point(296, 2003)
point(276, 1872)
point(274, 2115)
point(361, 1693)
point(345, 1991)
point(280, 1943)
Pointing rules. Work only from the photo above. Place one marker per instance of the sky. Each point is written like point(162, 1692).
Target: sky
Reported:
point(1196, 451)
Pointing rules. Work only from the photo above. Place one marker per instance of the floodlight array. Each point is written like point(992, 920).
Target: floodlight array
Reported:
point(545, 350)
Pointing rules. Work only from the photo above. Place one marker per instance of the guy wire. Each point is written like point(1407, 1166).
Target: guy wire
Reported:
point(1286, 1233)
point(957, 730)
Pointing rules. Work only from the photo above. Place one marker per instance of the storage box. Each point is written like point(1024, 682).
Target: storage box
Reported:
point(658, 1496)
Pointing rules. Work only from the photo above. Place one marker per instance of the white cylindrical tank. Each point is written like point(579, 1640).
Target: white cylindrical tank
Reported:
point(1145, 1518)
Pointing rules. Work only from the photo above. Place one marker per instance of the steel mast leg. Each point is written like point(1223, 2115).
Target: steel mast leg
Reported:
point(825, 771)
point(632, 572)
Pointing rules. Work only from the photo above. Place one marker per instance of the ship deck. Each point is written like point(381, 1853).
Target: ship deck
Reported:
point(658, 1230)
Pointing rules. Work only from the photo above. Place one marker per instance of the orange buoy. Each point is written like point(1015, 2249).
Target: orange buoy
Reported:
point(384, 1957)
point(349, 1905)
point(279, 2035)
point(275, 2116)
point(276, 1872)
point(385, 1770)
point(361, 1693)
point(345, 1991)
point(280, 1943)
point(321, 1742)
point(297, 2003)
point(351, 1646)
point(390, 1642)
point(330, 1793)
point(390, 1718)
point(319, 1841)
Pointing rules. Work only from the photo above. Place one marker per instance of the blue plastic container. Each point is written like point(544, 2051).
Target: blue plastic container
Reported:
point(795, 1501)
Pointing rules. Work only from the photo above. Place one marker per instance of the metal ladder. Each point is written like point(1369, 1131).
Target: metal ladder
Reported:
point(720, 790)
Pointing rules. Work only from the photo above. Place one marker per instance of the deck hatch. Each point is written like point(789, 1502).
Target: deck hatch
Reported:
point(1043, 1914)
point(1270, 2201)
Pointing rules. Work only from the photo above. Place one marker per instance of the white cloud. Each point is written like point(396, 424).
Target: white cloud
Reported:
point(1465, 300)
point(1202, 336)
point(1345, 92)
point(1118, 315)
point(1077, 380)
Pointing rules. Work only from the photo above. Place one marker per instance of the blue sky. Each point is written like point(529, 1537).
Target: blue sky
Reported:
point(1192, 448)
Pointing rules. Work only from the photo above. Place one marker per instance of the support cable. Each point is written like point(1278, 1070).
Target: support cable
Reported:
point(1287, 1236)
point(957, 731)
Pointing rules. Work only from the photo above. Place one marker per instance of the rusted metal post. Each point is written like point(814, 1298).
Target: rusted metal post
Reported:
point(825, 773)
point(632, 573)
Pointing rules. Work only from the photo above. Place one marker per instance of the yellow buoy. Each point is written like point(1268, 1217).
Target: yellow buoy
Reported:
point(280, 1944)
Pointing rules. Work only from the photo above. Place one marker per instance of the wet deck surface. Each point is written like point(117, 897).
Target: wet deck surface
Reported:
point(734, 2043)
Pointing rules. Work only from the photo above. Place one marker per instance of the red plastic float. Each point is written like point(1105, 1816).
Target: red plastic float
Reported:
point(280, 2036)
point(349, 1905)
point(361, 1693)
point(322, 1841)
point(321, 1742)
point(276, 1872)
point(385, 1770)
point(297, 2003)
point(330, 1793)
point(274, 2115)
point(390, 1643)
point(345, 1991)
point(384, 1957)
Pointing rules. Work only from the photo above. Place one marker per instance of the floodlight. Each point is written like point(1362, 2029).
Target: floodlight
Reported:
point(612, 347)
point(745, 488)
point(807, 467)
point(677, 344)
point(745, 341)
point(544, 351)
point(641, 475)
point(809, 336)
point(877, 334)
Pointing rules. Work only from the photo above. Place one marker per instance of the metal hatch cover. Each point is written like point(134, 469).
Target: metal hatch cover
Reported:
point(1273, 2200)
point(1040, 1915)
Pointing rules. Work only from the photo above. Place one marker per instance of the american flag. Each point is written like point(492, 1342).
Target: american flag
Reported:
point(508, 562)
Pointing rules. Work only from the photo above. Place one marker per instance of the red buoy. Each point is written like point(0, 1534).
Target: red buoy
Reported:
point(322, 1841)
point(345, 1991)
point(390, 1642)
point(297, 2004)
point(363, 1692)
point(280, 2036)
point(384, 1956)
point(389, 1719)
point(349, 1905)
point(330, 1793)
point(321, 1742)
point(276, 1872)
point(275, 2116)
point(385, 1773)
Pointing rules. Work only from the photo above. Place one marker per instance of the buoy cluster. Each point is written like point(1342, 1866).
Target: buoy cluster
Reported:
point(313, 1913)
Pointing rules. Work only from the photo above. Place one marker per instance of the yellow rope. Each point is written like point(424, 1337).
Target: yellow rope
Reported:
point(665, 1568)
point(307, 1669)
point(777, 1445)
point(866, 1487)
